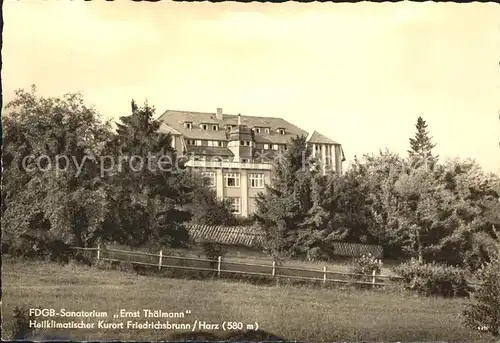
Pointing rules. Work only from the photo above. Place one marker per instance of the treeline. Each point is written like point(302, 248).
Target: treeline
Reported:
point(414, 205)
point(70, 178)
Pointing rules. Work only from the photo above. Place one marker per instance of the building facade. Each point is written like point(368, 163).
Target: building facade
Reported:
point(235, 153)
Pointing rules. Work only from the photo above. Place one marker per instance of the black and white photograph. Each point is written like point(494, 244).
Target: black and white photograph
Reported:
point(250, 172)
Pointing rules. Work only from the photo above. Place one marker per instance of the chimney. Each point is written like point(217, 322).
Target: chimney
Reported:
point(239, 119)
point(219, 114)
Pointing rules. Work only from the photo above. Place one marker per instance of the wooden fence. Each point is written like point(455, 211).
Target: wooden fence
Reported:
point(219, 266)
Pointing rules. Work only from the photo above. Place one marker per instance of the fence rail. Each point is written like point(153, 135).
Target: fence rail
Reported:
point(251, 269)
point(219, 266)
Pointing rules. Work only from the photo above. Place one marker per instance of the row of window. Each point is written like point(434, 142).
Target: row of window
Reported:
point(205, 127)
point(215, 127)
point(232, 180)
point(199, 142)
point(265, 146)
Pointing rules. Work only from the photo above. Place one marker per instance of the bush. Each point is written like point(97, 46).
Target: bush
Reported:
point(213, 250)
point(483, 311)
point(21, 329)
point(316, 254)
point(365, 264)
point(433, 278)
point(41, 247)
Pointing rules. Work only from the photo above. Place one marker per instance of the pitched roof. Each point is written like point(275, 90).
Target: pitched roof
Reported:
point(254, 237)
point(232, 235)
point(176, 119)
point(164, 128)
point(316, 137)
point(209, 151)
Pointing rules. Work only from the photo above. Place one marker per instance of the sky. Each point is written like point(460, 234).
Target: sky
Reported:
point(360, 73)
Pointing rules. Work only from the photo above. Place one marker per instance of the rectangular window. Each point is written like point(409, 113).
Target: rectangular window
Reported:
point(208, 179)
point(198, 142)
point(257, 129)
point(266, 130)
point(219, 143)
point(256, 180)
point(242, 142)
point(247, 143)
point(266, 146)
point(188, 125)
point(275, 146)
point(281, 131)
point(232, 180)
point(234, 204)
point(215, 127)
point(190, 142)
point(204, 126)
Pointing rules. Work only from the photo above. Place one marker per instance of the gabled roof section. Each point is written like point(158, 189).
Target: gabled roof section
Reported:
point(318, 138)
point(164, 128)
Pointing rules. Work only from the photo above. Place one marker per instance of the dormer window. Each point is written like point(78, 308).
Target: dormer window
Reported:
point(188, 125)
point(204, 127)
point(215, 127)
point(257, 129)
point(281, 131)
point(266, 130)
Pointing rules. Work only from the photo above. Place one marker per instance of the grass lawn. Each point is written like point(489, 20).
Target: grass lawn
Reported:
point(292, 312)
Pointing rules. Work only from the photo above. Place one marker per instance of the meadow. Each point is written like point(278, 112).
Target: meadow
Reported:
point(300, 313)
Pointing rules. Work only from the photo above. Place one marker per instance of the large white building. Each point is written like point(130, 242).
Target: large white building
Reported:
point(235, 152)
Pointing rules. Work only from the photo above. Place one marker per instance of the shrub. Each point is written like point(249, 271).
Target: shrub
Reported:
point(213, 250)
point(42, 246)
point(433, 278)
point(21, 329)
point(365, 264)
point(316, 254)
point(483, 311)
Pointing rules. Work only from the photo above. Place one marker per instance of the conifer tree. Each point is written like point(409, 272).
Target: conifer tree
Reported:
point(147, 187)
point(421, 146)
point(283, 208)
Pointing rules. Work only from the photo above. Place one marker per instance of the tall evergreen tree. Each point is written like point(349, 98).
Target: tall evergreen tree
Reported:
point(421, 146)
point(147, 187)
point(283, 208)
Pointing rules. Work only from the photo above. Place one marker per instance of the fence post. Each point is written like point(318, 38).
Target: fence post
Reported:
point(324, 274)
point(373, 278)
point(98, 252)
point(159, 262)
point(274, 268)
point(218, 266)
